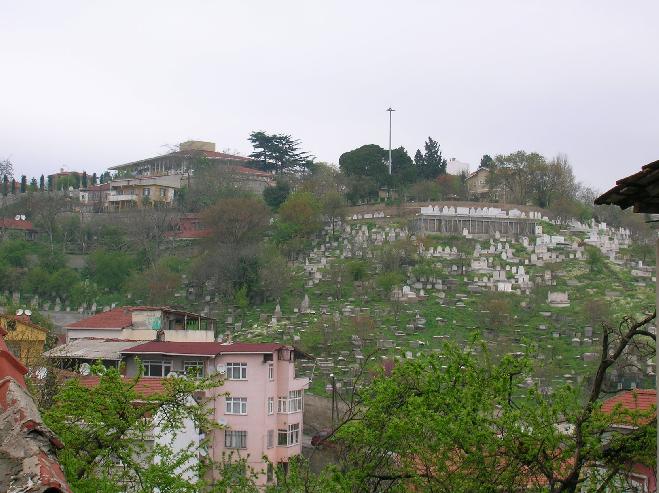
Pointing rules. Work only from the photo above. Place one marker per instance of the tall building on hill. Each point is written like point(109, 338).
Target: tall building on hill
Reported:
point(455, 167)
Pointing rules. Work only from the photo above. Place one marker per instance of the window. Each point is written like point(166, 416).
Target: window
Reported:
point(194, 367)
point(271, 439)
point(156, 368)
point(271, 372)
point(294, 401)
point(236, 405)
point(146, 192)
point(270, 473)
point(235, 439)
point(163, 192)
point(271, 405)
point(290, 436)
point(291, 404)
point(237, 371)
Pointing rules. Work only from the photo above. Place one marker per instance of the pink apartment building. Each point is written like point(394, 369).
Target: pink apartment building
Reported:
point(261, 414)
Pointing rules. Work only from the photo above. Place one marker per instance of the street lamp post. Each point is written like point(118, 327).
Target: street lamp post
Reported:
point(390, 112)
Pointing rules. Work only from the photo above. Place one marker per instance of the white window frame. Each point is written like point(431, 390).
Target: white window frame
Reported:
point(291, 434)
point(237, 368)
point(282, 405)
point(292, 403)
point(146, 192)
point(235, 439)
point(165, 366)
point(271, 405)
point(199, 364)
point(233, 404)
point(271, 372)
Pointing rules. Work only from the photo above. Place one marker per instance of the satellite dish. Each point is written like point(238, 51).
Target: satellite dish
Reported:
point(85, 369)
point(28, 312)
point(172, 374)
point(222, 369)
point(22, 217)
point(17, 217)
point(19, 311)
point(41, 372)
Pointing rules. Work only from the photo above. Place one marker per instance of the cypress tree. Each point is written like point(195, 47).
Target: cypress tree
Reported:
point(23, 183)
point(42, 185)
point(5, 185)
point(94, 179)
point(33, 184)
point(50, 183)
point(13, 186)
point(84, 179)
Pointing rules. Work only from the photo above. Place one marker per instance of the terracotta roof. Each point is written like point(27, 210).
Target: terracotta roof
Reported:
point(208, 154)
point(632, 400)
point(24, 319)
point(11, 223)
point(640, 190)
point(96, 188)
point(145, 386)
point(200, 348)
point(117, 318)
point(251, 171)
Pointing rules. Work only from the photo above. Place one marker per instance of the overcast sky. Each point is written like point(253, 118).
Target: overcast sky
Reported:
point(87, 85)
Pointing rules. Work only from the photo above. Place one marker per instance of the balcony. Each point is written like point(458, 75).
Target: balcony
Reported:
point(122, 198)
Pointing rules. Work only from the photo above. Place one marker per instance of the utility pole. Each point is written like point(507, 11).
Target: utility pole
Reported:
point(390, 112)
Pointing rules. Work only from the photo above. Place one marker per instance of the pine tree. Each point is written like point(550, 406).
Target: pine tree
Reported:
point(50, 183)
point(5, 185)
point(13, 186)
point(84, 179)
point(42, 185)
point(23, 183)
point(94, 179)
point(434, 164)
point(419, 162)
point(486, 161)
point(33, 184)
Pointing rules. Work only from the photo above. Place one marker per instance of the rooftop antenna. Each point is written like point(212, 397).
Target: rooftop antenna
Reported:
point(390, 110)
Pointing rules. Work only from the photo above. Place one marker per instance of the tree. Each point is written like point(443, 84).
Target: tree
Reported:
point(7, 168)
point(112, 421)
point(418, 160)
point(110, 270)
point(299, 219)
point(33, 185)
point(84, 179)
point(279, 153)
point(333, 207)
point(147, 228)
point(5, 185)
point(457, 420)
point(274, 274)
point(41, 184)
point(433, 163)
point(46, 209)
point(486, 161)
point(275, 196)
point(365, 161)
point(94, 179)
point(50, 183)
point(13, 186)
point(23, 184)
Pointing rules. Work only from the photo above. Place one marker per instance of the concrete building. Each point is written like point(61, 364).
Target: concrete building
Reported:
point(143, 191)
point(455, 167)
point(478, 186)
point(144, 323)
point(94, 198)
point(24, 338)
point(261, 413)
point(188, 156)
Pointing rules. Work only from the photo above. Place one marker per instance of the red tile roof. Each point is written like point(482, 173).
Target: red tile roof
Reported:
point(632, 400)
point(200, 348)
point(251, 171)
point(145, 386)
point(11, 223)
point(24, 319)
point(117, 318)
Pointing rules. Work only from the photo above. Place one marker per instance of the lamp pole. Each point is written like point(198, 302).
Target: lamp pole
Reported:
point(390, 112)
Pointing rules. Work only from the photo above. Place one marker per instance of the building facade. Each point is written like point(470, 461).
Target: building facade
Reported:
point(25, 339)
point(259, 407)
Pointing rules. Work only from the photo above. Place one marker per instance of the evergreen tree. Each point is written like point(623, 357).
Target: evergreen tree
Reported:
point(418, 160)
point(13, 186)
point(23, 183)
point(42, 185)
point(94, 179)
point(50, 183)
point(487, 161)
point(33, 184)
point(5, 185)
point(84, 179)
point(279, 153)
point(434, 164)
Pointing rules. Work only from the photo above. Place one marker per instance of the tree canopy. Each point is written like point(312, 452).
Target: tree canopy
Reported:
point(279, 153)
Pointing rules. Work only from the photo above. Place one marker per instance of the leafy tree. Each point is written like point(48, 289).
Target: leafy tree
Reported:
point(278, 153)
point(456, 420)
point(112, 422)
point(365, 161)
point(109, 270)
point(7, 168)
point(334, 208)
point(299, 220)
point(387, 281)
point(277, 195)
point(23, 188)
point(274, 274)
point(155, 286)
point(357, 270)
point(486, 161)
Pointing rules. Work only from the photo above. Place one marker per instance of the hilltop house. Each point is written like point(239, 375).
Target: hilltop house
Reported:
point(25, 339)
point(183, 161)
point(142, 191)
point(261, 412)
point(17, 228)
point(94, 198)
point(187, 227)
point(144, 323)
